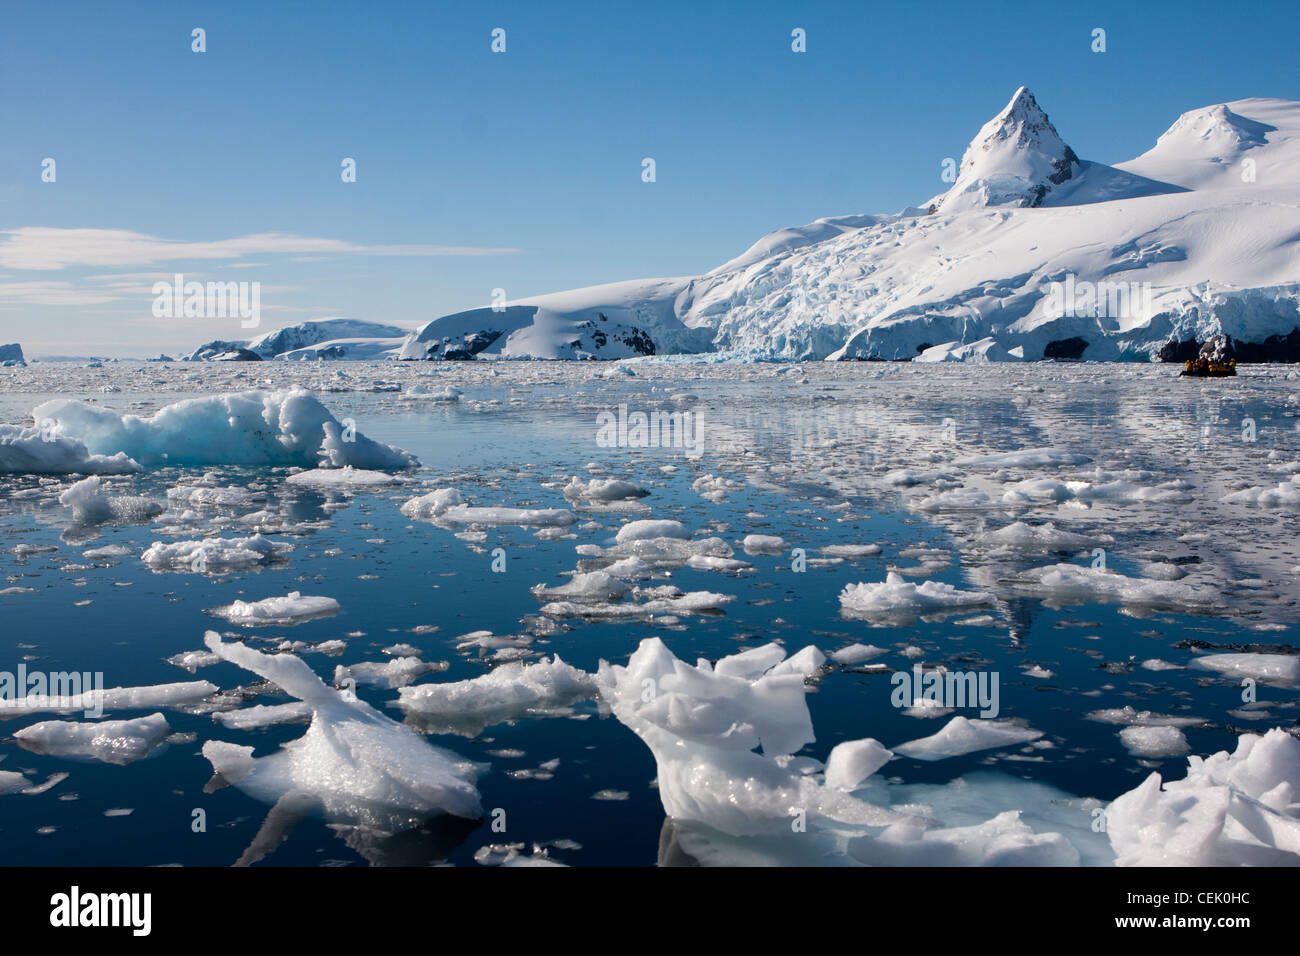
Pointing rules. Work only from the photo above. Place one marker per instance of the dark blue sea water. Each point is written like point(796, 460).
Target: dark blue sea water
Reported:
point(394, 575)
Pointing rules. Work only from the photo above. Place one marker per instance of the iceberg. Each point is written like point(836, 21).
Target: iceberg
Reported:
point(1232, 809)
point(38, 451)
point(354, 764)
point(239, 428)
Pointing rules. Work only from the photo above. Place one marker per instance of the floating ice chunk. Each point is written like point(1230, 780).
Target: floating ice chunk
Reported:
point(12, 782)
point(238, 428)
point(392, 674)
point(1163, 571)
point(661, 601)
point(433, 504)
point(1041, 538)
point(511, 854)
point(1142, 718)
point(446, 506)
point(851, 550)
point(715, 487)
point(857, 653)
point(509, 692)
point(1075, 583)
point(1026, 458)
point(763, 544)
point(668, 552)
point(346, 479)
point(358, 765)
point(711, 562)
point(702, 725)
point(631, 569)
point(193, 660)
point(1119, 491)
point(911, 477)
point(1154, 742)
point(853, 761)
point(263, 715)
point(106, 552)
point(1005, 840)
point(649, 528)
point(1282, 669)
point(602, 489)
point(895, 597)
point(1233, 809)
point(1285, 495)
point(292, 608)
point(448, 393)
point(215, 496)
point(112, 741)
point(38, 451)
point(91, 506)
point(213, 555)
point(958, 499)
point(595, 587)
point(1155, 664)
point(962, 736)
point(111, 699)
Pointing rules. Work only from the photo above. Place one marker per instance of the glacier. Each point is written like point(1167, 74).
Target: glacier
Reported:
point(1193, 239)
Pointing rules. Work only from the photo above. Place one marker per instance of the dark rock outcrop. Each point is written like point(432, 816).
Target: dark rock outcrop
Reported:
point(1070, 349)
point(1222, 348)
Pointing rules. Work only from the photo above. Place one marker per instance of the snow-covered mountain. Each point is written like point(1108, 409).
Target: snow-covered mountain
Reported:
point(321, 338)
point(1032, 252)
point(613, 321)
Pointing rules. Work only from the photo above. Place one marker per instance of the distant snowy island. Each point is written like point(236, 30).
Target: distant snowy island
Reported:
point(1032, 253)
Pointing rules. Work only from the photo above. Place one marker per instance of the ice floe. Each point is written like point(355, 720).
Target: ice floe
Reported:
point(109, 700)
point(1072, 583)
point(345, 479)
point(111, 741)
point(90, 505)
point(602, 489)
point(356, 765)
point(1154, 742)
point(962, 736)
point(214, 555)
point(291, 608)
point(509, 692)
point(1280, 669)
point(897, 599)
point(446, 506)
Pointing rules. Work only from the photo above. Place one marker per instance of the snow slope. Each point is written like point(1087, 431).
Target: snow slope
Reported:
point(613, 321)
point(320, 338)
point(1033, 252)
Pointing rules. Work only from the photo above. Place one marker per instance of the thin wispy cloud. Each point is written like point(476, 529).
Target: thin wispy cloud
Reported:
point(42, 248)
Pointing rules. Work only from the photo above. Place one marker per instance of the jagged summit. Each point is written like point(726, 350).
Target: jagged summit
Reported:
point(1016, 159)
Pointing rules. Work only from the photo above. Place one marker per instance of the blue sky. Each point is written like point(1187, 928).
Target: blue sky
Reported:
point(522, 170)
